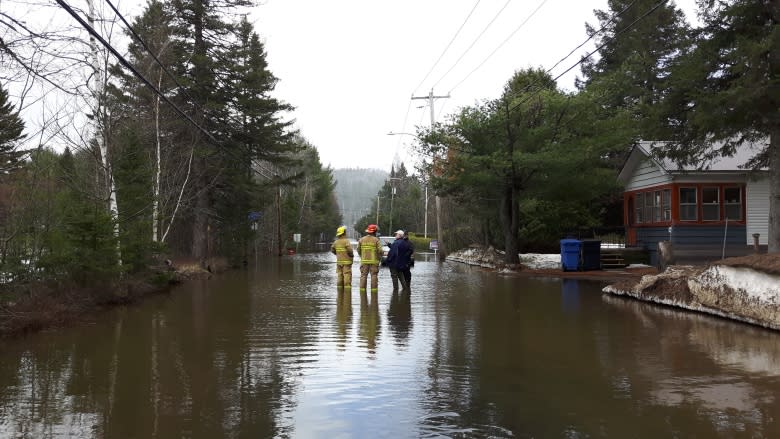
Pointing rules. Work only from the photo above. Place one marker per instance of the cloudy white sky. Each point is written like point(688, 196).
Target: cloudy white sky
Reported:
point(350, 67)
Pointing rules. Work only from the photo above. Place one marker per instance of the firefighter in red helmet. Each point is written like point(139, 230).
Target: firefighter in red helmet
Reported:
point(370, 250)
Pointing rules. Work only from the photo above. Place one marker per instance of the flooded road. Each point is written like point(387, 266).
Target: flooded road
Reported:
point(277, 352)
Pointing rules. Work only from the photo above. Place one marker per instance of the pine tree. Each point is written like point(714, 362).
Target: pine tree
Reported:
point(727, 89)
point(640, 39)
point(11, 132)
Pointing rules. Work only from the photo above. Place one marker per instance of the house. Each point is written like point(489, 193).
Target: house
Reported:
point(716, 206)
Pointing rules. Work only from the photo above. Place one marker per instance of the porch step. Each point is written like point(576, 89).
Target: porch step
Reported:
point(612, 260)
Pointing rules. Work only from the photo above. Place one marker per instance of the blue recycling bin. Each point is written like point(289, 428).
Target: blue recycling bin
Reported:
point(570, 254)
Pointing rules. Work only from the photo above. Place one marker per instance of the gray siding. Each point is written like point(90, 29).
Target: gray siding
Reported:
point(647, 174)
point(706, 240)
point(757, 210)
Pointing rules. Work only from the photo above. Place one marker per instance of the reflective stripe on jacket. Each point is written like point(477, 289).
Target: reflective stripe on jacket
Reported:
point(370, 250)
point(342, 248)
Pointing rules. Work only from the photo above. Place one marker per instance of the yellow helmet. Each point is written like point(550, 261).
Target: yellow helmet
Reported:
point(341, 230)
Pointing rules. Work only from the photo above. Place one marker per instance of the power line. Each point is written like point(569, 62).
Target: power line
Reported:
point(473, 42)
point(609, 40)
point(148, 50)
point(448, 46)
point(501, 45)
point(125, 63)
point(628, 27)
point(257, 168)
point(611, 20)
point(549, 71)
point(403, 127)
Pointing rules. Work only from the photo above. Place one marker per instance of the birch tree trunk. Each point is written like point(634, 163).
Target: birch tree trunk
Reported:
point(99, 132)
point(158, 173)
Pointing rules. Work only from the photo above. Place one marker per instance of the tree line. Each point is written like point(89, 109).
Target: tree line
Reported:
point(186, 154)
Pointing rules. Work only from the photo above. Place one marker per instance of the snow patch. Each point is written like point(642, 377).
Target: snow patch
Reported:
point(738, 293)
point(755, 284)
point(538, 261)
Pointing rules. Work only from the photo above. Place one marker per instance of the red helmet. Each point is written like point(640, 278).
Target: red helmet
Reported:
point(371, 228)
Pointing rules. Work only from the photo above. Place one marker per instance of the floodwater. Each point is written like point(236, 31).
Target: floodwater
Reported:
point(276, 352)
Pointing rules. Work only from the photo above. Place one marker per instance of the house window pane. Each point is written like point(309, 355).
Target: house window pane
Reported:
point(638, 203)
point(733, 203)
point(710, 204)
point(667, 204)
point(688, 204)
point(648, 213)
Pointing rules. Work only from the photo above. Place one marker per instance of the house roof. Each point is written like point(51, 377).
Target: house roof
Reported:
point(644, 150)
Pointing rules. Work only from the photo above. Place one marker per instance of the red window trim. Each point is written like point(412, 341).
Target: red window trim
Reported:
point(630, 216)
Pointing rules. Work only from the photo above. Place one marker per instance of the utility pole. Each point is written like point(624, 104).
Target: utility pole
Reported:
point(377, 210)
point(278, 215)
point(431, 98)
point(425, 230)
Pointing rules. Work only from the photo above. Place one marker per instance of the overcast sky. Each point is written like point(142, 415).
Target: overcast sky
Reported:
point(350, 67)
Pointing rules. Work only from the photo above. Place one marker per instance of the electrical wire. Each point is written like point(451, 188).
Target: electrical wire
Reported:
point(609, 40)
point(500, 45)
point(448, 46)
point(132, 69)
point(472, 43)
point(628, 27)
point(549, 71)
point(257, 167)
point(441, 110)
point(611, 20)
point(403, 126)
point(148, 50)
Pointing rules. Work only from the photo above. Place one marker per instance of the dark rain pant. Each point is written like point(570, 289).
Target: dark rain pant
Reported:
point(399, 276)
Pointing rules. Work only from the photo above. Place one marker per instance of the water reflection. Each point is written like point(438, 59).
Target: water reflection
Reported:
point(399, 316)
point(369, 321)
point(570, 295)
point(727, 383)
point(274, 353)
point(343, 317)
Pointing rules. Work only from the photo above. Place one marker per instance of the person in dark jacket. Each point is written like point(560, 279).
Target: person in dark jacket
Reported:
point(398, 261)
point(407, 271)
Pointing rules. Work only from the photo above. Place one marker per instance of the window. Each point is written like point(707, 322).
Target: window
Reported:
point(667, 205)
point(710, 204)
point(648, 214)
point(732, 197)
point(688, 204)
point(638, 205)
point(653, 206)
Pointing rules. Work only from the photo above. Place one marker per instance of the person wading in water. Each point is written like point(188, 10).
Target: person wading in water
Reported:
point(370, 249)
point(342, 248)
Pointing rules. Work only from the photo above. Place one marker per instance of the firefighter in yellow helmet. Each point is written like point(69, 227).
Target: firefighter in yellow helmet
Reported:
point(342, 248)
point(370, 249)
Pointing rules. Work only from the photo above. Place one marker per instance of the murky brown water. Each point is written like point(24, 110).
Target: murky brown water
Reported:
point(278, 353)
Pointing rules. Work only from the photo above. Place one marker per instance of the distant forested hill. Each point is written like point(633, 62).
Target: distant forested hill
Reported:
point(355, 189)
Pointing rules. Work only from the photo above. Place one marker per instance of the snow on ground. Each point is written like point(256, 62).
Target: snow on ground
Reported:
point(539, 261)
point(761, 287)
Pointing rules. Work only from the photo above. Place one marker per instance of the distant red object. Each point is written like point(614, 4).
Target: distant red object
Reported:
point(290, 251)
